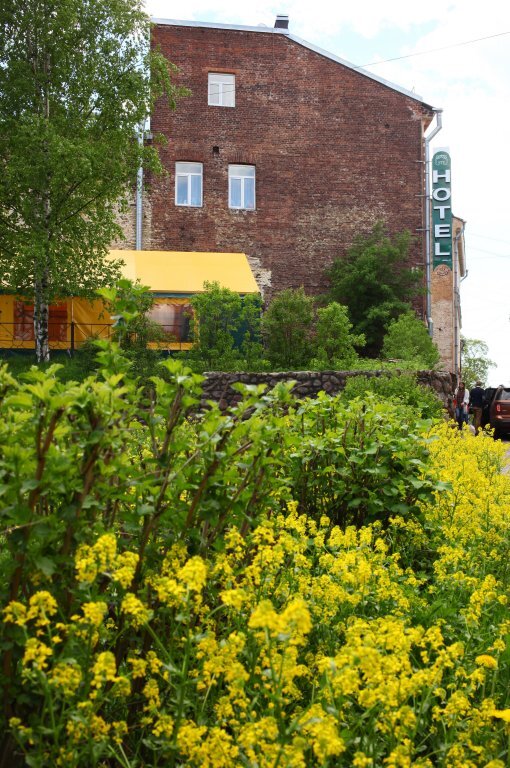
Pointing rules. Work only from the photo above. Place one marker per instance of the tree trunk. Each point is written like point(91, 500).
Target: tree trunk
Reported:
point(41, 307)
point(41, 318)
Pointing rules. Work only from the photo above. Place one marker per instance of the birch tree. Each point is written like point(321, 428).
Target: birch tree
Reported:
point(77, 80)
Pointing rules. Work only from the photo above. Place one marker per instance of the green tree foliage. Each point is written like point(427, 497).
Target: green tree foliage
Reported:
point(375, 282)
point(408, 340)
point(287, 327)
point(75, 90)
point(128, 304)
point(475, 361)
point(335, 344)
point(225, 330)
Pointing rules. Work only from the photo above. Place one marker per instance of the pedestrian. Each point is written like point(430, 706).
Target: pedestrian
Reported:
point(476, 398)
point(461, 404)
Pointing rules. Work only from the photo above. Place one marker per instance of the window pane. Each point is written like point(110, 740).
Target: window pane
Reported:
point(182, 190)
point(188, 168)
point(249, 193)
point(242, 170)
point(214, 93)
point(221, 89)
point(228, 95)
point(235, 193)
point(196, 190)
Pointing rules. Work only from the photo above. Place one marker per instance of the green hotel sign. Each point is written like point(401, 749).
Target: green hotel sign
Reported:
point(442, 209)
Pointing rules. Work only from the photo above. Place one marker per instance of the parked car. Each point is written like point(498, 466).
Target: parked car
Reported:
point(500, 412)
point(488, 397)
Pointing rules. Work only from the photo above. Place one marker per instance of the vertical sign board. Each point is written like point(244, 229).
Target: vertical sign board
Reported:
point(442, 209)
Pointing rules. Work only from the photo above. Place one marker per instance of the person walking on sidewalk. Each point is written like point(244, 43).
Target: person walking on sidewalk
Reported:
point(462, 404)
point(476, 396)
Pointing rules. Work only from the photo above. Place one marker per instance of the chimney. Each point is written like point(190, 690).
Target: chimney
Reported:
point(282, 22)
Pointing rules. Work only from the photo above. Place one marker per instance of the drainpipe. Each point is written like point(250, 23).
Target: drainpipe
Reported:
point(139, 192)
point(428, 258)
point(456, 302)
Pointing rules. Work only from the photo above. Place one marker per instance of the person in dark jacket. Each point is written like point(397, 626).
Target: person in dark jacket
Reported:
point(476, 396)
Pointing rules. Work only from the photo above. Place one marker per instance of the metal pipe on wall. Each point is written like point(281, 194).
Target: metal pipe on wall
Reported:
point(139, 193)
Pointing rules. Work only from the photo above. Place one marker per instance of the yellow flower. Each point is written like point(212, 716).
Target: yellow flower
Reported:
point(194, 574)
point(125, 567)
point(360, 760)
point(42, 605)
point(66, 677)
point(15, 613)
point(135, 610)
point(94, 612)
point(104, 669)
point(489, 662)
point(234, 598)
point(322, 730)
point(138, 666)
point(36, 654)
point(502, 714)
point(151, 693)
point(163, 726)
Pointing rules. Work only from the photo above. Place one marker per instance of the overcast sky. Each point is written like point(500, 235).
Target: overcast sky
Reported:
point(469, 78)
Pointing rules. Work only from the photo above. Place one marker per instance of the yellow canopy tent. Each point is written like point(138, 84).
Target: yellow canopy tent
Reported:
point(172, 276)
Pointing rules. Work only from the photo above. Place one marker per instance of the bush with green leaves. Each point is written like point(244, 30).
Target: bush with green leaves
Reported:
point(397, 388)
point(334, 343)
point(408, 340)
point(291, 642)
point(225, 330)
point(376, 282)
point(359, 460)
point(128, 304)
point(287, 327)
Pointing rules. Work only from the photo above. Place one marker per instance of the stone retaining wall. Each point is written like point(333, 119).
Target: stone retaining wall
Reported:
point(217, 385)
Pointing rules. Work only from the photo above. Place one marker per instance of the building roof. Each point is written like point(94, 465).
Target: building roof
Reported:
point(184, 272)
point(281, 31)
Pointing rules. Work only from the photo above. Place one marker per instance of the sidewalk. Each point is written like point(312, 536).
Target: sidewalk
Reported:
point(506, 470)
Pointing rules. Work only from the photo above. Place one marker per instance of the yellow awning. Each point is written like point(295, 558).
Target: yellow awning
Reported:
point(186, 271)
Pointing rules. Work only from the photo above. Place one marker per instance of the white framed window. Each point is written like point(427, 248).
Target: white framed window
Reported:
point(188, 184)
point(241, 186)
point(221, 90)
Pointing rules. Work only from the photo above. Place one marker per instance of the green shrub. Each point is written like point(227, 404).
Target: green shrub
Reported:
point(400, 389)
point(374, 281)
point(165, 601)
point(225, 331)
point(358, 460)
point(407, 339)
point(334, 342)
point(287, 327)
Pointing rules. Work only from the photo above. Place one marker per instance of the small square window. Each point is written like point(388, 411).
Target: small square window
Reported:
point(241, 187)
point(188, 184)
point(221, 90)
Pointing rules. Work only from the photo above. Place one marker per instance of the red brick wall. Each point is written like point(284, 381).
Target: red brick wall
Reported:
point(334, 152)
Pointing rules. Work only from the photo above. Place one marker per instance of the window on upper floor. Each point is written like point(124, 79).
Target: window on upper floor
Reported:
point(221, 90)
point(188, 184)
point(241, 186)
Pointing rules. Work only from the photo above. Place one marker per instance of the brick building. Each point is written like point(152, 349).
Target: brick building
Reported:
point(282, 151)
